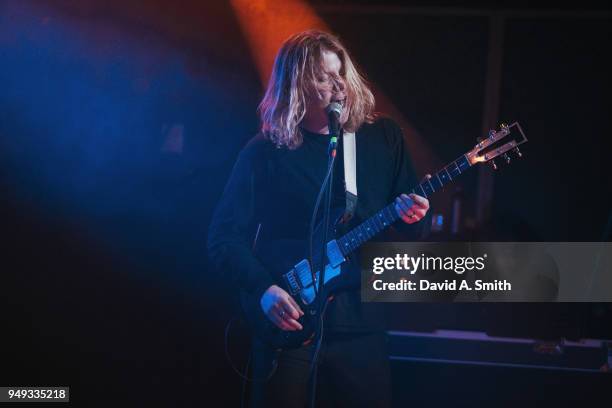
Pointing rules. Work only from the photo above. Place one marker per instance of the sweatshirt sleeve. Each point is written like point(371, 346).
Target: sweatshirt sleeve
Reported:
point(231, 231)
point(405, 179)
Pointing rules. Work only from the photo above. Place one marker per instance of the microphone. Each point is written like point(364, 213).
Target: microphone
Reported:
point(333, 110)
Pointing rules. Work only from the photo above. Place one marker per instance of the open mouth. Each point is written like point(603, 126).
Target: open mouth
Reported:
point(340, 101)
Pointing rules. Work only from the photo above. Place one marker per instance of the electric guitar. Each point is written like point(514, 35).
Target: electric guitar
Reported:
point(299, 279)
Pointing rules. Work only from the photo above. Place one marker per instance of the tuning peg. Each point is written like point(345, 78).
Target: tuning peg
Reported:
point(518, 152)
point(507, 158)
point(493, 164)
point(491, 134)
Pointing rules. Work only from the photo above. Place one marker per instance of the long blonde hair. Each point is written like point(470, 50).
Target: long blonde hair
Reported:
point(284, 104)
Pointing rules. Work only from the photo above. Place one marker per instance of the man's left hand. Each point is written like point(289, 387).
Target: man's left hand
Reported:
point(411, 208)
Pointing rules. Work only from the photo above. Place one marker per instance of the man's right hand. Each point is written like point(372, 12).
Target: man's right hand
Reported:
point(281, 309)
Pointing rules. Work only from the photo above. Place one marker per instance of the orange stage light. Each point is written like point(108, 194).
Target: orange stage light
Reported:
point(266, 24)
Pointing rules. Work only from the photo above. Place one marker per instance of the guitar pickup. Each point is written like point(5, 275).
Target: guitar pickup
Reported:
point(334, 254)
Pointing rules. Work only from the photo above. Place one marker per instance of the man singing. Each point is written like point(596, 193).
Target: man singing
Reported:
point(272, 192)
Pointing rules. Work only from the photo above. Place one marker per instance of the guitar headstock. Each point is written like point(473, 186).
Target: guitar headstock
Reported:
point(498, 143)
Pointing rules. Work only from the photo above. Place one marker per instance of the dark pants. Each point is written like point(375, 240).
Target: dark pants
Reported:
point(353, 372)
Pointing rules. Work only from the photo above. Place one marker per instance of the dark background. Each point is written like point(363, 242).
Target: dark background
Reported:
point(105, 284)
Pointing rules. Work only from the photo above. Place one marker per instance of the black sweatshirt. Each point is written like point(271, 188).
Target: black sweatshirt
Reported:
point(280, 186)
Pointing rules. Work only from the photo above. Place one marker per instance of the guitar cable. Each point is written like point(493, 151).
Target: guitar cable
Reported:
point(244, 375)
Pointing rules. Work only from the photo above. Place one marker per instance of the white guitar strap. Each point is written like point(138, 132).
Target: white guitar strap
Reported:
point(350, 174)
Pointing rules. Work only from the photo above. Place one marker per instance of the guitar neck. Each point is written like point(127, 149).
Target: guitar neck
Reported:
point(361, 234)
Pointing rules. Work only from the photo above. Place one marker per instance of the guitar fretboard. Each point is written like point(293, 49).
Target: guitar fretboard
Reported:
point(387, 216)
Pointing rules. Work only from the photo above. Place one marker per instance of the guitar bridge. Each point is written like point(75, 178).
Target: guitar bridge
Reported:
point(291, 282)
point(299, 277)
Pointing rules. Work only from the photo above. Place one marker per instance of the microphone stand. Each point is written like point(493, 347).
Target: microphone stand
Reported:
point(327, 209)
point(333, 113)
point(321, 302)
